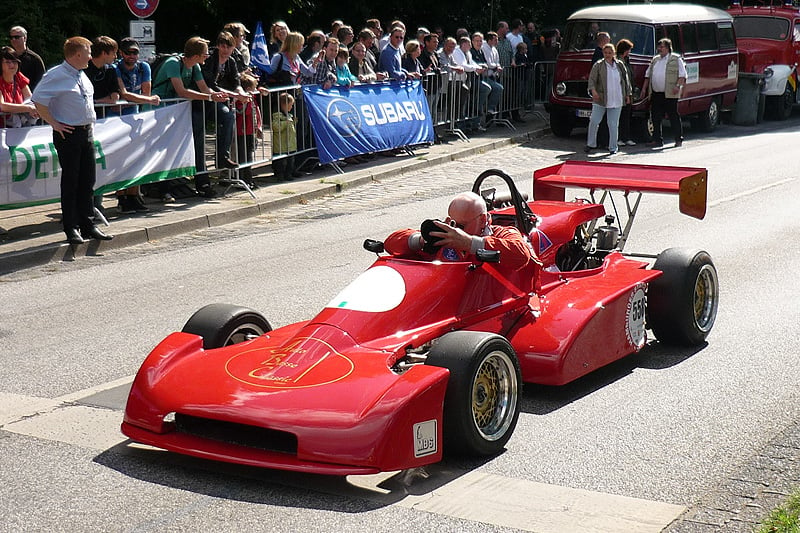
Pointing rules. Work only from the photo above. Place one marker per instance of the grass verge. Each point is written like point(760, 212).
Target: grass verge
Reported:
point(784, 519)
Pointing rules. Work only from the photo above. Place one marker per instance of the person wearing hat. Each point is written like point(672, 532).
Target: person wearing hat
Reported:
point(15, 93)
point(241, 53)
point(134, 79)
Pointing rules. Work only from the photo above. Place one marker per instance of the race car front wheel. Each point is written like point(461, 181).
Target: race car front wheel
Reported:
point(682, 303)
point(224, 324)
point(481, 405)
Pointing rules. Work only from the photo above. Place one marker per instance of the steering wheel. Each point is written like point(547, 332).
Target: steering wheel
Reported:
point(526, 220)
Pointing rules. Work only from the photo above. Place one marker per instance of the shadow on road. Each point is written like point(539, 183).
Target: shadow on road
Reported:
point(544, 399)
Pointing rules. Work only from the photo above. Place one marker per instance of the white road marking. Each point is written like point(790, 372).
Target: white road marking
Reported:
point(471, 495)
point(750, 192)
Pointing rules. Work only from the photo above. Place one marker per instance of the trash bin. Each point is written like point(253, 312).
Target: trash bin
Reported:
point(749, 108)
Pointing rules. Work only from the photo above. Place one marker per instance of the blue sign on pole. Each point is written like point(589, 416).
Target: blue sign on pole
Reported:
point(367, 118)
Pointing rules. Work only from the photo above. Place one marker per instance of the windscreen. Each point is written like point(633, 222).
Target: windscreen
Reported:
point(580, 35)
point(774, 29)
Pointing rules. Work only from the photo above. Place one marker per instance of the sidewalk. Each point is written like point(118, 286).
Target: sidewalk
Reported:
point(33, 236)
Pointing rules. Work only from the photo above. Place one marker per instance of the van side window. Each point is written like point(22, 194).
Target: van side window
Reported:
point(707, 36)
point(727, 41)
point(797, 30)
point(672, 32)
point(689, 38)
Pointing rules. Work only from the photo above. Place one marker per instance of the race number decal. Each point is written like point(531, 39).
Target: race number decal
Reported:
point(637, 305)
point(425, 438)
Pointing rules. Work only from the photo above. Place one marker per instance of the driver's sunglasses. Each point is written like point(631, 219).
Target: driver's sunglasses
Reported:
point(462, 225)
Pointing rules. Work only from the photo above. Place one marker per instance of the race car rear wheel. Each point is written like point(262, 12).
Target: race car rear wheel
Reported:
point(224, 324)
point(481, 405)
point(682, 303)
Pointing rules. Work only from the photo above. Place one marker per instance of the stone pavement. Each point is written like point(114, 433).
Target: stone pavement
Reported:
point(33, 236)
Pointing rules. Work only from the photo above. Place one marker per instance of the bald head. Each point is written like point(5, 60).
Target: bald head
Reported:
point(466, 210)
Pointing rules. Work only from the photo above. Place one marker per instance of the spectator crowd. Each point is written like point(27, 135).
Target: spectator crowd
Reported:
point(239, 90)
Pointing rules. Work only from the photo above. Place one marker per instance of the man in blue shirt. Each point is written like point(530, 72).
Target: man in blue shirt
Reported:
point(391, 56)
point(64, 99)
point(133, 78)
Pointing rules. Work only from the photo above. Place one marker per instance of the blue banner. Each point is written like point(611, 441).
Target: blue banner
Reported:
point(367, 118)
point(259, 55)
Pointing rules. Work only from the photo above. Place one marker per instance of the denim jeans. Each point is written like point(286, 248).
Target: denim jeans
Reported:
point(613, 114)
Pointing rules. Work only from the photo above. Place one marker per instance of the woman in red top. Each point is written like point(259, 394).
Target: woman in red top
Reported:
point(16, 107)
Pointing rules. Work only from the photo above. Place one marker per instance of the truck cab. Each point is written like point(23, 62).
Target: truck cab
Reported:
point(768, 38)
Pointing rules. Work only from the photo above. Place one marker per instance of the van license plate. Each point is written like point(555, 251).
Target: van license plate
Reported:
point(583, 113)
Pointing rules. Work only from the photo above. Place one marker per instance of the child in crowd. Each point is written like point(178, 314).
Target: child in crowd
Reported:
point(284, 139)
point(344, 77)
point(248, 128)
point(521, 56)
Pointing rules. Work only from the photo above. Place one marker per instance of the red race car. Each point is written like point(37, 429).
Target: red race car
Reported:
point(415, 358)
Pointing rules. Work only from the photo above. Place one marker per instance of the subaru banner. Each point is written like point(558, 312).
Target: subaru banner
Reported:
point(367, 118)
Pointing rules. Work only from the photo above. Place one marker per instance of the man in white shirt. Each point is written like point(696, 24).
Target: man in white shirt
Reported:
point(665, 78)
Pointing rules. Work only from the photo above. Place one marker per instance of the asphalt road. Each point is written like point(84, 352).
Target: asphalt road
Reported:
point(627, 448)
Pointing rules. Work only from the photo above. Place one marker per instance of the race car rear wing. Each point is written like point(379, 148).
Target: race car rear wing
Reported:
point(688, 183)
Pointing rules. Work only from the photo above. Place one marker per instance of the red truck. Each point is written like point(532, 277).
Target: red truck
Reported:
point(768, 37)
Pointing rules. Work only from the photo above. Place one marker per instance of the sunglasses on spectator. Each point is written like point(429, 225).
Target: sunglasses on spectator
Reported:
point(15, 36)
point(131, 52)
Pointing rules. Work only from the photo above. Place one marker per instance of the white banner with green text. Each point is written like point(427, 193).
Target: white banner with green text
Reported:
point(130, 150)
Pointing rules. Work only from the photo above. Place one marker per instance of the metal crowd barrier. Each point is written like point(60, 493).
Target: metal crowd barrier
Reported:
point(459, 105)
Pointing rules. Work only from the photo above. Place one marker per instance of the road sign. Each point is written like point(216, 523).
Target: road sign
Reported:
point(143, 31)
point(142, 8)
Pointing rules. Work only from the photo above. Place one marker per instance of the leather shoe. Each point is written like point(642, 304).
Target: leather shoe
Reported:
point(227, 163)
point(74, 236)
point(678, 143)
point(96, 233)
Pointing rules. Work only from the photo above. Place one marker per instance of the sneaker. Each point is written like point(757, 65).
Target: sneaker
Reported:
point(630, 143)
point(138, 204)
point(678, 143)
point(167, 198)
point(125, 205)
point(612, 152)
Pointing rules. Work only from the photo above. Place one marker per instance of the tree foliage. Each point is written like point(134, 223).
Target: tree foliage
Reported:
point(50, 22)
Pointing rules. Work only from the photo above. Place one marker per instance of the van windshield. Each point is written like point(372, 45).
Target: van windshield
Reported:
point(579, 35)
point(775, 29)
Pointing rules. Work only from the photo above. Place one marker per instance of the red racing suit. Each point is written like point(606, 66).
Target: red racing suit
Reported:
point(515, 252)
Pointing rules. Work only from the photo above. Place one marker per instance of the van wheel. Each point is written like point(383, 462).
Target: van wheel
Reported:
point(708, 120)
point(780, 107)
point(561, 123)
point(642, 128)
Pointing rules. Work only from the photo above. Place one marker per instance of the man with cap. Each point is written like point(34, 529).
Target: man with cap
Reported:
point(65, 100)
point(31, 65)
point(134, 79)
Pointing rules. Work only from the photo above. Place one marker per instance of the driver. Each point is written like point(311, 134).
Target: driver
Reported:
point(466, 230)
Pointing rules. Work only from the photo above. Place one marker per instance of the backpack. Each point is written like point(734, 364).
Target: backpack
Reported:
point(156, 64)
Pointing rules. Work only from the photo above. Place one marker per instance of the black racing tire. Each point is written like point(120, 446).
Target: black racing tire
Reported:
point(682, 303)
point(780, 107)
point(708, 120)
point(482, 402)
point(224, 324)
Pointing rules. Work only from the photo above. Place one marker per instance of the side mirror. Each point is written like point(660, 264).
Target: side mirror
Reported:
point(374, 246)
point(488, 256)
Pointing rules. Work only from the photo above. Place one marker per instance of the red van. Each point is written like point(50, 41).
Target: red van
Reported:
point(704, 36)
point(768, 37)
